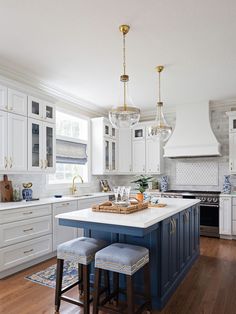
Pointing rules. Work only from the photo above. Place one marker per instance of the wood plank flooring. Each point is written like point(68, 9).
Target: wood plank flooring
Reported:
point(209, 288)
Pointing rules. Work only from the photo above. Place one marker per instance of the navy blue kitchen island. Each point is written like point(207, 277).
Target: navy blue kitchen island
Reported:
point(171, 234)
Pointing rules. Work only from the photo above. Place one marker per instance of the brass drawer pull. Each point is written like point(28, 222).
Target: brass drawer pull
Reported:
point(27, 213)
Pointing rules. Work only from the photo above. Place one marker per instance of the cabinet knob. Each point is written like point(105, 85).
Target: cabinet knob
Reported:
point(45, 163)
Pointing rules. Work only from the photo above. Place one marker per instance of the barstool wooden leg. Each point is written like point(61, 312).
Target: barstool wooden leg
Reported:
point(59, 275)
point(80, 273)
point(130, 294)
point(147, 287)
point(86, 288)
point(96, 290)
point(107, 282)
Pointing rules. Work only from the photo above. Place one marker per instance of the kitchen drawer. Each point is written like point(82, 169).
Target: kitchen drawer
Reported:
point(70, 205)
point(234, 212)
point(12, 215)
point(15, 232)
point(17, 254)
point(234, 228)
point(87, 203)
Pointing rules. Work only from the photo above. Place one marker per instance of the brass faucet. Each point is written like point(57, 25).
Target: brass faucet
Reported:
point(74, 188)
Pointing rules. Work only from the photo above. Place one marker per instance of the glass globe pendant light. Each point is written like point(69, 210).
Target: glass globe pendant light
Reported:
point(124, 115)
point(160, 127)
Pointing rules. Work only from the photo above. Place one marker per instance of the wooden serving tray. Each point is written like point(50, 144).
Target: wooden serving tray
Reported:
point(119, 209)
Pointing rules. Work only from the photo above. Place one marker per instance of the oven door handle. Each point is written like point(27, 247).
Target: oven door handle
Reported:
point(209, 205)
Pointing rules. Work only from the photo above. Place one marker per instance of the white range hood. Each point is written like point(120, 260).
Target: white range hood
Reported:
point(192, 136)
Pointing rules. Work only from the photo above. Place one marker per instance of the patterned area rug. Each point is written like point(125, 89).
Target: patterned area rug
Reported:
point(47, 277)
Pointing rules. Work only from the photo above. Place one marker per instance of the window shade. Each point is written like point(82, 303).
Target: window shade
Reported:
point(70, 152)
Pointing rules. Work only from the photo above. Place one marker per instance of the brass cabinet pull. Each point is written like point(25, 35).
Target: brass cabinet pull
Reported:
point(41, 164)
point(172, 226)
point(65, 204)
point(31, 250)
point(30, 229)
point(11, 162)
point(45, 163)
point(6, 162)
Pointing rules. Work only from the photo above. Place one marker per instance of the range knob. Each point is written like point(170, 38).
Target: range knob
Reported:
point(203, 199)
point(209, 199)
point(215, 200)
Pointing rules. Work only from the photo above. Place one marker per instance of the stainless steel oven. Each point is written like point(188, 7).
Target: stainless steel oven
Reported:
point(209, 209)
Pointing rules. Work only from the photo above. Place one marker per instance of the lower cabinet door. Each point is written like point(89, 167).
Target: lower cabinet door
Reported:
point(14, 255)
point(170, 259)
point(61, 233)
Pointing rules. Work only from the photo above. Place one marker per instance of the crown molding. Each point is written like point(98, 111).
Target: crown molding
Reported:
point(37, 86)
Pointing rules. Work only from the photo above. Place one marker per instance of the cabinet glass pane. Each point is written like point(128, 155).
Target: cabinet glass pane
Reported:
point(35, 107)
point(49, 146)
point(49, 112)
point(234, 124)
point(35, 144)
point(106, 130)
point(113, 131)
point(138, 133)
point(113, 156)
point(107, 155)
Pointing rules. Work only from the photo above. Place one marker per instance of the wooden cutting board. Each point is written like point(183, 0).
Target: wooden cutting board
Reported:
point(6, 191)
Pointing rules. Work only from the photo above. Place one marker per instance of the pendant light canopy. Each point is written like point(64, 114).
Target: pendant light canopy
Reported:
point(160, 127)
point(124, 115)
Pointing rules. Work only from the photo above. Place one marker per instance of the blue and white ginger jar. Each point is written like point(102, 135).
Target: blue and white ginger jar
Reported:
point(164, 183)
point(227, 185)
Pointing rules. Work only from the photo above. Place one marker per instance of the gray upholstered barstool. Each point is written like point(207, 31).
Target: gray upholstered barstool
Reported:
point(127, 259)
point(81, 251)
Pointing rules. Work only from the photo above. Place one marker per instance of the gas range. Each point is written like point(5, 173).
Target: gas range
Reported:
point(206, 197)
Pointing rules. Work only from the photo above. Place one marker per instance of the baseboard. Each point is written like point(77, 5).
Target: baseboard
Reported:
point(16, 269)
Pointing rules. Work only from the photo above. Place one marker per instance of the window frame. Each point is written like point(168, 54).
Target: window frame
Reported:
point(52, 186)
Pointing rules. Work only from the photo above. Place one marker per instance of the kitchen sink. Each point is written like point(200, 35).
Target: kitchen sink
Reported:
point(81, 195)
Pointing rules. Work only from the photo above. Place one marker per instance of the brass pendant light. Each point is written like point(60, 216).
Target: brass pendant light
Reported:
point(160, 127)
point(124, 115)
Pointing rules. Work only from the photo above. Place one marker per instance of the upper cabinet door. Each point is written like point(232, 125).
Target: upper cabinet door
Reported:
point(3, 140)
point(153, 155)
point(3, 98)
point(49, 145)
point(17, 102)
point(232, 123)
point(35, 145)
point(35, 108)
point(17, 142)
point(49, 112)
point(139, 156)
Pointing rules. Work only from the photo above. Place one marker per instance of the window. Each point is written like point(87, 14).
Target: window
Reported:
point(72, 134)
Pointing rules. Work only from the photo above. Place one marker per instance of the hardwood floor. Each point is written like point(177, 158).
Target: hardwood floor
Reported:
point(209, 288)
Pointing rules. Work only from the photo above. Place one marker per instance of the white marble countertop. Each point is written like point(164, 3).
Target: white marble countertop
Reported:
point(50, 200)
point(141, 219)
point(228, 195)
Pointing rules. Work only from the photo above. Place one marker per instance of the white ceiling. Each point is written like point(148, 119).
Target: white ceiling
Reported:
point(76, 46)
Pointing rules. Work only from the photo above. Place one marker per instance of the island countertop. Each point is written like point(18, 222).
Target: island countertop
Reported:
point(142, 219)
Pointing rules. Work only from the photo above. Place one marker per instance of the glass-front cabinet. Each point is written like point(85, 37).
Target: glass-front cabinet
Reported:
point(110, 155)
point(40, 109)
point(41, 146)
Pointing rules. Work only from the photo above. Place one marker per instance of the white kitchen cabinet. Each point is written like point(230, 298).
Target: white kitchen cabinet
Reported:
point(40, 109)
point(104, 147)
point(13, 145)
point(61, 233)
point(17, 102)
point(3, 140)
point(232, 152)
point(3, 98)
point(225, 216)
point(41, 146)
point(17, 142)
point(125, 151)
point(139, 156)
point(154, 155)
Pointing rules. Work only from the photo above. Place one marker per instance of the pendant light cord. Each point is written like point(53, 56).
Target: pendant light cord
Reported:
point(124, 69)
point(159, 85)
